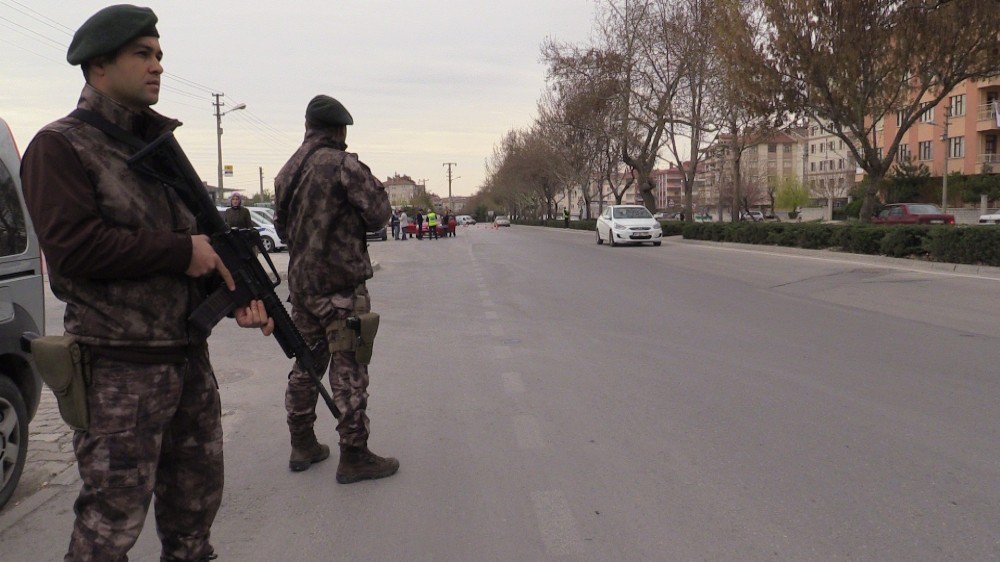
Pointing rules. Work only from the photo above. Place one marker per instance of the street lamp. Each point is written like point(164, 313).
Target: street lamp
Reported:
point(218, 130)
point(947, 153)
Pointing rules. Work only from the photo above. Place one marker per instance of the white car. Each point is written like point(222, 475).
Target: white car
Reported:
point(268, 235)
point(465, 219)
point(628, 224)
point(501, 220)
point(990, 219)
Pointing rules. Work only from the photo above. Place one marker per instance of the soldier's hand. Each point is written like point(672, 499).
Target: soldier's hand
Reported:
point(204, 260)
point(255, 316)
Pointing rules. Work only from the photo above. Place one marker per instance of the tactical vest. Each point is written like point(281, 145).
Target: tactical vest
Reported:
point(147, 312)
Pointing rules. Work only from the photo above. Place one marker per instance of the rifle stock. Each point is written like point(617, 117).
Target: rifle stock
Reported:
point(164, 160)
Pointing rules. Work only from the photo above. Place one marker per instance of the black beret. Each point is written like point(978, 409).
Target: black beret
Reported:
point(108, 30)
point(326, 111)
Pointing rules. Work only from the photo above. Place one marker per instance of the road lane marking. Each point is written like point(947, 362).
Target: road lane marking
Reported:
point(556, 523)
point(527, 432)
point(513, 383)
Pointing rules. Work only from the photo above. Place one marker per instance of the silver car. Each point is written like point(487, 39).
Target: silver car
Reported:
point(22, 309)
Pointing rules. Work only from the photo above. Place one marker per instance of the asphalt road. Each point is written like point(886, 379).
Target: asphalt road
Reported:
point(550, 398)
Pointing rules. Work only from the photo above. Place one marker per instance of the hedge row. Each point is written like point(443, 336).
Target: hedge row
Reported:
point(976, 245)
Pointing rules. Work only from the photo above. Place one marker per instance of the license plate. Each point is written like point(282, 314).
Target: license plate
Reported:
point(641, 237)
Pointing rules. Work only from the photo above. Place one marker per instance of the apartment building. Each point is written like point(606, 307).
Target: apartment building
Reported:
point(830, 169)
point(959, 134)
point(763, 164)
point(402, 190)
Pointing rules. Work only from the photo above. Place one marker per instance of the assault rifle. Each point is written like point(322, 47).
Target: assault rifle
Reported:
point(164, 160)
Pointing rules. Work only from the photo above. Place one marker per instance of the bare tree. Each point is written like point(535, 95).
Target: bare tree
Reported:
point(849, 65)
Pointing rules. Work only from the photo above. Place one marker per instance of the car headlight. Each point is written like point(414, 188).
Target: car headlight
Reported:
point(619, 226)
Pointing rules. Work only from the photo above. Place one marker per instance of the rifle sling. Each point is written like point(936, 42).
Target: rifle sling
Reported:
point(107, 127)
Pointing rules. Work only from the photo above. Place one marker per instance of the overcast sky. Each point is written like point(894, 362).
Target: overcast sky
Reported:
point(427, 82)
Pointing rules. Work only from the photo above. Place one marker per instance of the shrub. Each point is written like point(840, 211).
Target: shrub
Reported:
point(904, 240)
point(977, 245)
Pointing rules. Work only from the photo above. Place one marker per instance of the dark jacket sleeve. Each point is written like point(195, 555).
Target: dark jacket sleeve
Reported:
point(366, 193)
point(76, 240)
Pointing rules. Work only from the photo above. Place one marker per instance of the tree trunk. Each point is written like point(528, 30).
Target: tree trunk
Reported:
point(868, 206)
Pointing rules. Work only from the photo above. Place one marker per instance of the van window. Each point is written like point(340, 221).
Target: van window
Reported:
point(13, 230)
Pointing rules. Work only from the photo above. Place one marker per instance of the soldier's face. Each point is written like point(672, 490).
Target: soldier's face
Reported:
point(133, 77)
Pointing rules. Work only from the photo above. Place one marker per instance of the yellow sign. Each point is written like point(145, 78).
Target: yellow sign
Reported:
point(227, 170)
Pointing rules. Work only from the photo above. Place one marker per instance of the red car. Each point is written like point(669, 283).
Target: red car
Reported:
point(912, 213)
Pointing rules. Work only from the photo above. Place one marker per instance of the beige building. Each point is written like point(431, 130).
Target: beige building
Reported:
point(402, 190)
point(830, 167)
point(763, 164)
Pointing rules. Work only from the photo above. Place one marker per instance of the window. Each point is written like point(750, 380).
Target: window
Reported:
point(771, 147)
point(812, 149)
point(831, 145)
point(812, 166)
point(13, 231)
point(956, 147)
point(840, 164)
point(904, 153)
point(927, 116)
point(899, 119)
point(958, 105)
point(787, 149)
point(841, 145)
point(822, 166)
point(925, 150)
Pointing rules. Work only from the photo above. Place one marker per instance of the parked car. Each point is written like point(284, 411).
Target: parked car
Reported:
point(379, 234)
point(751, 216)
point(22, 309)
point(501, 221)
point(628, 224)
point(268, 234)
point(465, 219)
point(266, 212)
point(990, 219)
point(912, 213)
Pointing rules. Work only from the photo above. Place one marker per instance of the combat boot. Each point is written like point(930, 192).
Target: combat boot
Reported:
point(306, 451)
point(358, 463)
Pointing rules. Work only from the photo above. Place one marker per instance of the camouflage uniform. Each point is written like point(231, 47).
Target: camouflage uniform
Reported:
point(323, 219)
point(117, 245)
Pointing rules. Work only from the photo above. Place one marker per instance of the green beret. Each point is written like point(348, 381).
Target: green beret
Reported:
point(326, 111)
point(110, 29)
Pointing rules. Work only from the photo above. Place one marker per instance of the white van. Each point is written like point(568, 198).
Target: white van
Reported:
point(22, 309)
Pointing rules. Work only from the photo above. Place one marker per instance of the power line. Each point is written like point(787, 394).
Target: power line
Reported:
point(38, 16)
point(18, 27)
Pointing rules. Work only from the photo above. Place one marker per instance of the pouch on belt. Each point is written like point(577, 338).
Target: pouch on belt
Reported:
point(367, 328)
point(64, 365)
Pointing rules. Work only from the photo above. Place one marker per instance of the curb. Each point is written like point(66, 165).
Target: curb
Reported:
point(985, 271)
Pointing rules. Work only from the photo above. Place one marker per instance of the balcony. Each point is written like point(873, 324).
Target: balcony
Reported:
point(986, 119)
point(993, 159)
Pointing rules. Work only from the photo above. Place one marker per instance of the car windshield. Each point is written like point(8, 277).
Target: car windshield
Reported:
point(632, 213)
point(923, 209)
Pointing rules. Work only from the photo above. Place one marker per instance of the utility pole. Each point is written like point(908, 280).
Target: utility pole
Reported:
point(449, 164)
point(218, 132)
point(947, 154)
point(261, 170)
point(218, 137)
